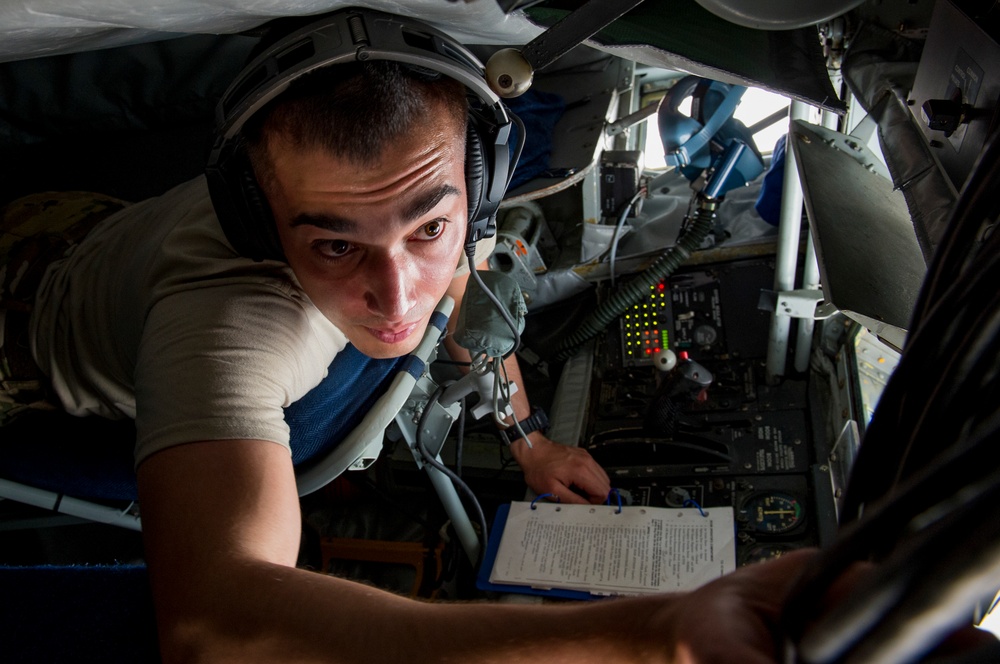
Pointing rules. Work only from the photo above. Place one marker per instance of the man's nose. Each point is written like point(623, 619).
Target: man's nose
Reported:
point(391, 291)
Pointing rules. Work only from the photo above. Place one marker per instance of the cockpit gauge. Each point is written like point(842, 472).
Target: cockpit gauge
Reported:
point(772, 513)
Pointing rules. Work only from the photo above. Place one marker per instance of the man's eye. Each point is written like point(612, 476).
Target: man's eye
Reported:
point(431, 230)
point(332, 248)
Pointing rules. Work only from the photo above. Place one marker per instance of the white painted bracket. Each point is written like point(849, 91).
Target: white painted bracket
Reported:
point(802, 303)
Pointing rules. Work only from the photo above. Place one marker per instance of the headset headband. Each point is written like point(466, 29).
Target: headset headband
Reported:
point(353, 35)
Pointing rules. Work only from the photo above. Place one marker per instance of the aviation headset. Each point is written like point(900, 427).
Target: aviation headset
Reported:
point(353, 35)
point(687, 141)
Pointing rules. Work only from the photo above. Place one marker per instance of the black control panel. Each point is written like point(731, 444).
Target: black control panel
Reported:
point(712, 431)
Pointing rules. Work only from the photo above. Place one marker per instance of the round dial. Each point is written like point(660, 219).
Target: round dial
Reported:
point(772, 512)
point(705, 335)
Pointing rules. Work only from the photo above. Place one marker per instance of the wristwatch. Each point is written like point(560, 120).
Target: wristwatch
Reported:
point(537, 421)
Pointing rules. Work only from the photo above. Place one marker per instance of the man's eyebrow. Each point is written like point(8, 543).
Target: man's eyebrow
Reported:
point(329, 222)
point(416, 209)
point(428, 201)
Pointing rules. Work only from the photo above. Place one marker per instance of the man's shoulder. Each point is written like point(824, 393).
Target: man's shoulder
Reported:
point(188, 246)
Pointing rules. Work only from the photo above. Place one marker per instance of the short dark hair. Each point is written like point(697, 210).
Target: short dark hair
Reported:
point(353, 111)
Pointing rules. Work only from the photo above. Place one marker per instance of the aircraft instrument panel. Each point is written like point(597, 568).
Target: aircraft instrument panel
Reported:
point(738, 442)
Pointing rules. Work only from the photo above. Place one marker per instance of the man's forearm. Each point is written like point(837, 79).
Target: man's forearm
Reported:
point(268, 613)
point(221, 530)
point(221, 527)
point(549, 467)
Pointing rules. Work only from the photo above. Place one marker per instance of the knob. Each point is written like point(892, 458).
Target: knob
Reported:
point(508, 73)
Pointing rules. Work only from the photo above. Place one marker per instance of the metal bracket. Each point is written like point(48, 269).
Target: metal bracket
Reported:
point(368, 456)
point(437, 423)
point(801, 303)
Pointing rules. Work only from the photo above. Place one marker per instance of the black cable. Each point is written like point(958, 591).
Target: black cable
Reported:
point(954, 283)
point(977, 202)
point(954, 396)
point(925, 380)
point(923, 591)
point(522, 138)
point(922, 494)
point(638, 288)
point(462, 487)
point(947, 455)
point(470, 248)
point(886, 521)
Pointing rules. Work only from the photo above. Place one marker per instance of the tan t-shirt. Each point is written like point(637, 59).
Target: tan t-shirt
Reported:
point(154, 316)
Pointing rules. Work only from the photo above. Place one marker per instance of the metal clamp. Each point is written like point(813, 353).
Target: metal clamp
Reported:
point(801, 303)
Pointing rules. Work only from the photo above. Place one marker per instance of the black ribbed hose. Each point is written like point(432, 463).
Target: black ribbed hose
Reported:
point(637, 288)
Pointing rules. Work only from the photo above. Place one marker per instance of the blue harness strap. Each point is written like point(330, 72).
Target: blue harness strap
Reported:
point(324, 416)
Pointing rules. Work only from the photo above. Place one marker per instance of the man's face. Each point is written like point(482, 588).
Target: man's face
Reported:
point(375, 247)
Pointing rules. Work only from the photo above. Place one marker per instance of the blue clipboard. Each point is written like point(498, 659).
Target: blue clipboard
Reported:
point(490, 556)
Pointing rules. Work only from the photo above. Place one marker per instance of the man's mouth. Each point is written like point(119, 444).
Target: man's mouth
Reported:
point(392, 335)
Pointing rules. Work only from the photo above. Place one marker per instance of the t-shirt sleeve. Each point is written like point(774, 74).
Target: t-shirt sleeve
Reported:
point(222, 362)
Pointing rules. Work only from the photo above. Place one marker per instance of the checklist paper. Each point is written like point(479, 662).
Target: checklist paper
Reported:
point(614, 551)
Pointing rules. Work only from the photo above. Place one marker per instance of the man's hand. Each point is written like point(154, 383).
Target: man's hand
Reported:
point(556, 469)
point(735, 618)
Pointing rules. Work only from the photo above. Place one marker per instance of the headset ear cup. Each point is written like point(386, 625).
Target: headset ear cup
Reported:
point(263, 234)
point(475, 167)
point(240, 204)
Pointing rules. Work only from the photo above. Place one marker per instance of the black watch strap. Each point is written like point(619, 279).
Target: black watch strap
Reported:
point(537, 421)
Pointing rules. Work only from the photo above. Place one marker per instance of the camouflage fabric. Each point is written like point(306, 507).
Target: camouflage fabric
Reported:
point(35, 231)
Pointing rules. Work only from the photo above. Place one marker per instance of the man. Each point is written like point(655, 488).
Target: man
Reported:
point(163, 280)
point(156, 316)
